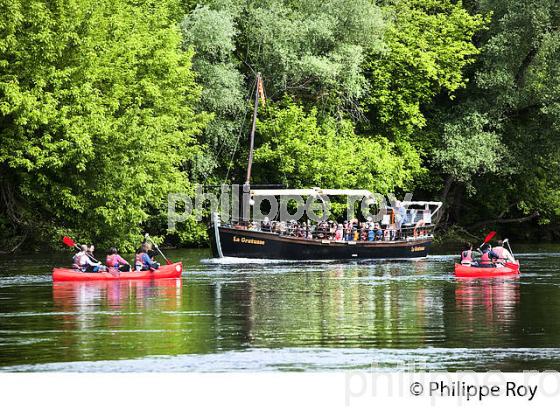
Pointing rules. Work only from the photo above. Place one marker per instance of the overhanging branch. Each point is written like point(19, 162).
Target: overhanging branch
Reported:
point(505, 221)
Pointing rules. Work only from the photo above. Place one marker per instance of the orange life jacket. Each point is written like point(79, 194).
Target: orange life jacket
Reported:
point(485, 259)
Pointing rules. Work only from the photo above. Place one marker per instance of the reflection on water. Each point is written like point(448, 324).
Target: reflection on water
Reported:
point(283, 316)
point(84, 297)
point(488, 303)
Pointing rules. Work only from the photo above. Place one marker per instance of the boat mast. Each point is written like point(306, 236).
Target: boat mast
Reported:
point(253, 127)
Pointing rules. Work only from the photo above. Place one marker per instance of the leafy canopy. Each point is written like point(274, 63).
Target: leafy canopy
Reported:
point(302, 150)
point(97, 115)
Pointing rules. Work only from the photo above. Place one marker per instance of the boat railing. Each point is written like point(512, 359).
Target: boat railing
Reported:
point(383, 234)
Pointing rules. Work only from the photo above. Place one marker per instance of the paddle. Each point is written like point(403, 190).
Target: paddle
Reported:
point(509, 247)
point(159, 250)
point(511, 265)
point(71, 244)
point(488, 238)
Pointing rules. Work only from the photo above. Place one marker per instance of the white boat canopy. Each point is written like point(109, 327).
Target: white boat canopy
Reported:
point(318, 192)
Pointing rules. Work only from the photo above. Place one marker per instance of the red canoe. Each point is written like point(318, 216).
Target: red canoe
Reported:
point(165, 271)
point(463, 271)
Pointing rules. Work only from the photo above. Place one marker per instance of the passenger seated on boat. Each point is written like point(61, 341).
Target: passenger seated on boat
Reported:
point(338, 233)
point(115, 261)
point(347, 231)
point(392, 228)
point(503, 254)
point(76, 260)
point(378, 232)
point(355, 233)
point(320, 231)
point(467, 256)
point(371, 233)
point(308, 230)
point(299, 230)
point(387, 234)
point(265, 225)
point(142, 259)
point(363, 232)
point(86, 262)
point(252, 226)
point(487, 256)
point(90, 250)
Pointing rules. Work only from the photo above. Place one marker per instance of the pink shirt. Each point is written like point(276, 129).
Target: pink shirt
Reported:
point(113, 260)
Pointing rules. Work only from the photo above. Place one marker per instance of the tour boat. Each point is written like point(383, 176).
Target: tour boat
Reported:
point(173, 270)
point(242, 238)
point(239, 240)
point(465, 271)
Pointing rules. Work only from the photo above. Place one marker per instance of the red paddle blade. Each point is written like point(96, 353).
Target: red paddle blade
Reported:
point(489, 236)
point(511, 265)
point(68, 241)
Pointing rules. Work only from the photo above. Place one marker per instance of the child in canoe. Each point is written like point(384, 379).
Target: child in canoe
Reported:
point(143, 260)
point(116, 261)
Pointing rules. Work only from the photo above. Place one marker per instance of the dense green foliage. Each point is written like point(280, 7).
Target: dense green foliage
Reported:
point(428, 46)
point(107, 106)
point(509, 116)
point(300, 150)
point(96, 116)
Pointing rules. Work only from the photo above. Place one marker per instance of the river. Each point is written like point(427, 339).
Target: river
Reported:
point(237, 315)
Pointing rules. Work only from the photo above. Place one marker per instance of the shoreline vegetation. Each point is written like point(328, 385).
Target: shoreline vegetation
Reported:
point(106, 107)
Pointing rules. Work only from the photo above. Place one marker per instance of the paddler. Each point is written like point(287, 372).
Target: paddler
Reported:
point(116, 261)
point(90, 250)
point(86, 262)
point(142, 259)
point(76, 259)
point(503, 254)
point(487, 257)
point(467, 258)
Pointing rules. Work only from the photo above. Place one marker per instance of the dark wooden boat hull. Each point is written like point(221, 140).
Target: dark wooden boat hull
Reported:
point(243, 243)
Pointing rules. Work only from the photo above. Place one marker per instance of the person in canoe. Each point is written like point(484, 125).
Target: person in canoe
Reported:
point(487, 257)
point(85, 262)
point(76, 259)
point(467, 256)
point(503, 254)
point(116, 261)
point(90, 250)
point(143, 260)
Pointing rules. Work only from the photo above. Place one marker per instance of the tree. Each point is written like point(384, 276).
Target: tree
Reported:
point(310, 50)
point(300, 149)
point(211, 34)
point(428, 46)
point(516, 90)
point(97, 116)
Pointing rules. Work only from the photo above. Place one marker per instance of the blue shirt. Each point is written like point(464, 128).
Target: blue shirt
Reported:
point(147, 261)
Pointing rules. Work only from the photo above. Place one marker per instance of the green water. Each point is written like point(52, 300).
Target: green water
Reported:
point(260, 316)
